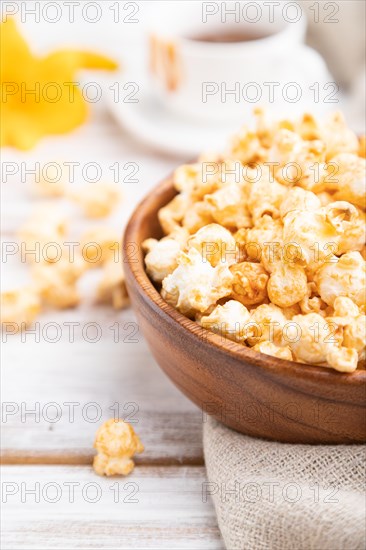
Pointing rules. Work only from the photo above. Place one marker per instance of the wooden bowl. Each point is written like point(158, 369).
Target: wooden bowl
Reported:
point(253, 393)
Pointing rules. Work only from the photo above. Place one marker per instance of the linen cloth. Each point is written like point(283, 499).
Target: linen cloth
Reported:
point(278, 496)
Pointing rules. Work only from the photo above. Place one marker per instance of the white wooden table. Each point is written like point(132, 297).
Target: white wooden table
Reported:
point(51, 497)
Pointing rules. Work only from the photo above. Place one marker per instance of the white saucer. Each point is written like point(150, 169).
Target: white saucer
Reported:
point(149, 122)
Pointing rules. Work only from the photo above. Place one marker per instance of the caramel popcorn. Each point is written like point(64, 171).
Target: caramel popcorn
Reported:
point(215, 243)
point(116, 443)
point(97, 200)
point(276, 351)
point(46, 226)
point(228, 320)
point(195, 285)
point(50, 184)
point(250, 283)
point(275, 224)
point(112, 288)
point(19, 307)
point(99, 244)
point(56, 282)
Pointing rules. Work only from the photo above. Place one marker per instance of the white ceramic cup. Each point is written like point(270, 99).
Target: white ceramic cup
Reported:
point(221, 81)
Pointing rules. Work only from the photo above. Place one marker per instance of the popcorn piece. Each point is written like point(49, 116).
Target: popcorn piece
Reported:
point(56, 282)
point(267, 322)
point(354, 335)
point(45, 229)
point(276, 351)
point(50, 182)
point(200, 179)
point(349, 222)
point(338, 137)
point(312, 303)
point(263, 242)
point(99, 244)
point(299, 199)
point(97, 200)
point(228, 207)
point(195, 285)
point(354, 235)
point(161, 257)
point(297, 158)
point(228, 320)
point(171, 215)
point(112, 288)
point(250, 283)
point(313, 236)
point(247, 147)
point(215, 243)
point(345, 311)
point(346, 277)
point(265, 197)
point(116, 443)
point(342, 359)
point(348, 179)
point(19, 307)
point(311, 338)
point(287, 285)
point(198, 215)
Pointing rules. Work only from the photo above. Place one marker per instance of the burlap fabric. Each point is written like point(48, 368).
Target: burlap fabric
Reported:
point(282, 496)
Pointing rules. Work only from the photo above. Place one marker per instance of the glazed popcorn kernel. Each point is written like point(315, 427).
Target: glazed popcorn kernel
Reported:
point(344, 277)
point(112, 287)
point(250, 283)
point(276, 351)
point(99, 244)
point(195, 285)
point(116, 443)
point(215, 243)
point(19, 307)
point(228, 320)
point(56, 282)
point(97, 200)
point(47, 226)
point(273, 228)
point(287, 285)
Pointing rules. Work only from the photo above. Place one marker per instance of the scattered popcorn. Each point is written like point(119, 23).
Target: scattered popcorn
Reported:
point(43, 232)
point(276, 225)
point(97, 200)
point(112, 288)
point(19, 307)
point(99, 244)
point(50, 183)
point(116, 443)
point(56, 282)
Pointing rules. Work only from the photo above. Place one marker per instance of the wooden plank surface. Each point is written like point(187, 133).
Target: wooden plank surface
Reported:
point(155, 507)
point(57, 394)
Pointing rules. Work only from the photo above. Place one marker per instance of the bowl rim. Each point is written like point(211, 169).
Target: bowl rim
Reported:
point(150, 294)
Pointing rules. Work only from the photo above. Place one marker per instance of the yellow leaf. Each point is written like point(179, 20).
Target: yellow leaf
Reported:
point(39, 96)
